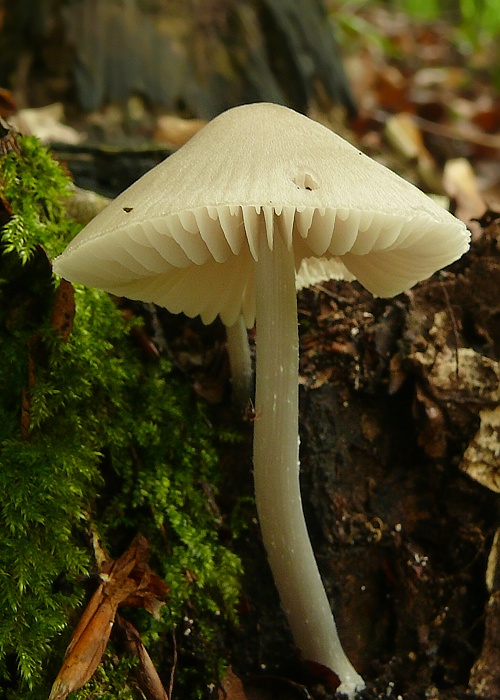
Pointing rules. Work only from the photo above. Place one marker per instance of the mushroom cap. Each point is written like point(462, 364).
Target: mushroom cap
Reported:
point(186, 234)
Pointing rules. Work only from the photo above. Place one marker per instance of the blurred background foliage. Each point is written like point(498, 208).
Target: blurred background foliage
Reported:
point(476, 23)
point(198, 59)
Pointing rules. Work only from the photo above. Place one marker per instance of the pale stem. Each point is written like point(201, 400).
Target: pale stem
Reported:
point(240, 362)
point(276, 468)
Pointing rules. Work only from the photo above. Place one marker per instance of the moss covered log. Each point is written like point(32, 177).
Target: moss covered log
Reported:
point(95, 438)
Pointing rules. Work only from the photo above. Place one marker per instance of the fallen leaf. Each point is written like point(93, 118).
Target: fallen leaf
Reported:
point(431, 425)
point(406, 137)
point(459, 181)
point(488, 119)
point(397, 374)
point(492, 577)
point(8, 139)
point(440, 77)
point(87, 645)
point(481, 460)
point(63, 311)
point(485, 674)
point(147, 676)
point(476, 384)
point(325, 674)
point(139, 334)
point(127, 581)
point(47, 124)
point(231, 687)
point(175, 130)
point(392, 89)
point(7, 102)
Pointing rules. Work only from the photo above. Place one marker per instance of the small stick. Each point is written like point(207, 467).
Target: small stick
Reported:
point(454, 324)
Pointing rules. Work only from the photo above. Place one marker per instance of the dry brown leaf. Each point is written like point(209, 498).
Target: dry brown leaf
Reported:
point(465, 377)
point(128, 580)
point(8, 137)
point(7, 101)
point(87, 645)
point(147, 676)
point(177, 131)
point(459, 181)
point(440, 77)
point(392, 89)
point(431, 425)
point(481, 460)
point(231, 687)
point(63, 311)
point(397, 374)
point(404, 135)
point(485, 674)
point(141, 337)
point(47, 124)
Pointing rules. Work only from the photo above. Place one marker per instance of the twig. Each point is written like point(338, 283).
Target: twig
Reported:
point(174, 666)
point(454, 324)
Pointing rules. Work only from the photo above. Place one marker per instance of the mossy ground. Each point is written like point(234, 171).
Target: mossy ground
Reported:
point(94, 438)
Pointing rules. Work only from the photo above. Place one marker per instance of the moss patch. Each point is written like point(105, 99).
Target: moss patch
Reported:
point(93, 438)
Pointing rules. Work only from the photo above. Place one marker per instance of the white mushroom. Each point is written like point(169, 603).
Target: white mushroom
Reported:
point(240, 362)
point(221, 228)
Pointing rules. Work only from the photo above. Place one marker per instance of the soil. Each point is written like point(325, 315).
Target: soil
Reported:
point(391, 395)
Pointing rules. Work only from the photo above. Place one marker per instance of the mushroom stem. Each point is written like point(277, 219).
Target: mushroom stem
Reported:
point(240, 362)
point(276, 468)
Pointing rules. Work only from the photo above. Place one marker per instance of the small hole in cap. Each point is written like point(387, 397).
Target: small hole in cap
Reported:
point(305, 181)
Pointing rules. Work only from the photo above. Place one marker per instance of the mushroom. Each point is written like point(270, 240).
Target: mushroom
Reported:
point(221, 228)
point(240, 362)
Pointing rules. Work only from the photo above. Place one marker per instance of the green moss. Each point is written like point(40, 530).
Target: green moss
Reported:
point(113, 680)
point(92, 437)
point(35, 188)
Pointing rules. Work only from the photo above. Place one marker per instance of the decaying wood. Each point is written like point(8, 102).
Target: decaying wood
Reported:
point(63, 310)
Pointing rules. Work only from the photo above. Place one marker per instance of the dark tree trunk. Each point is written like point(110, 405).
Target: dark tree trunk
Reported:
point(197, 58)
